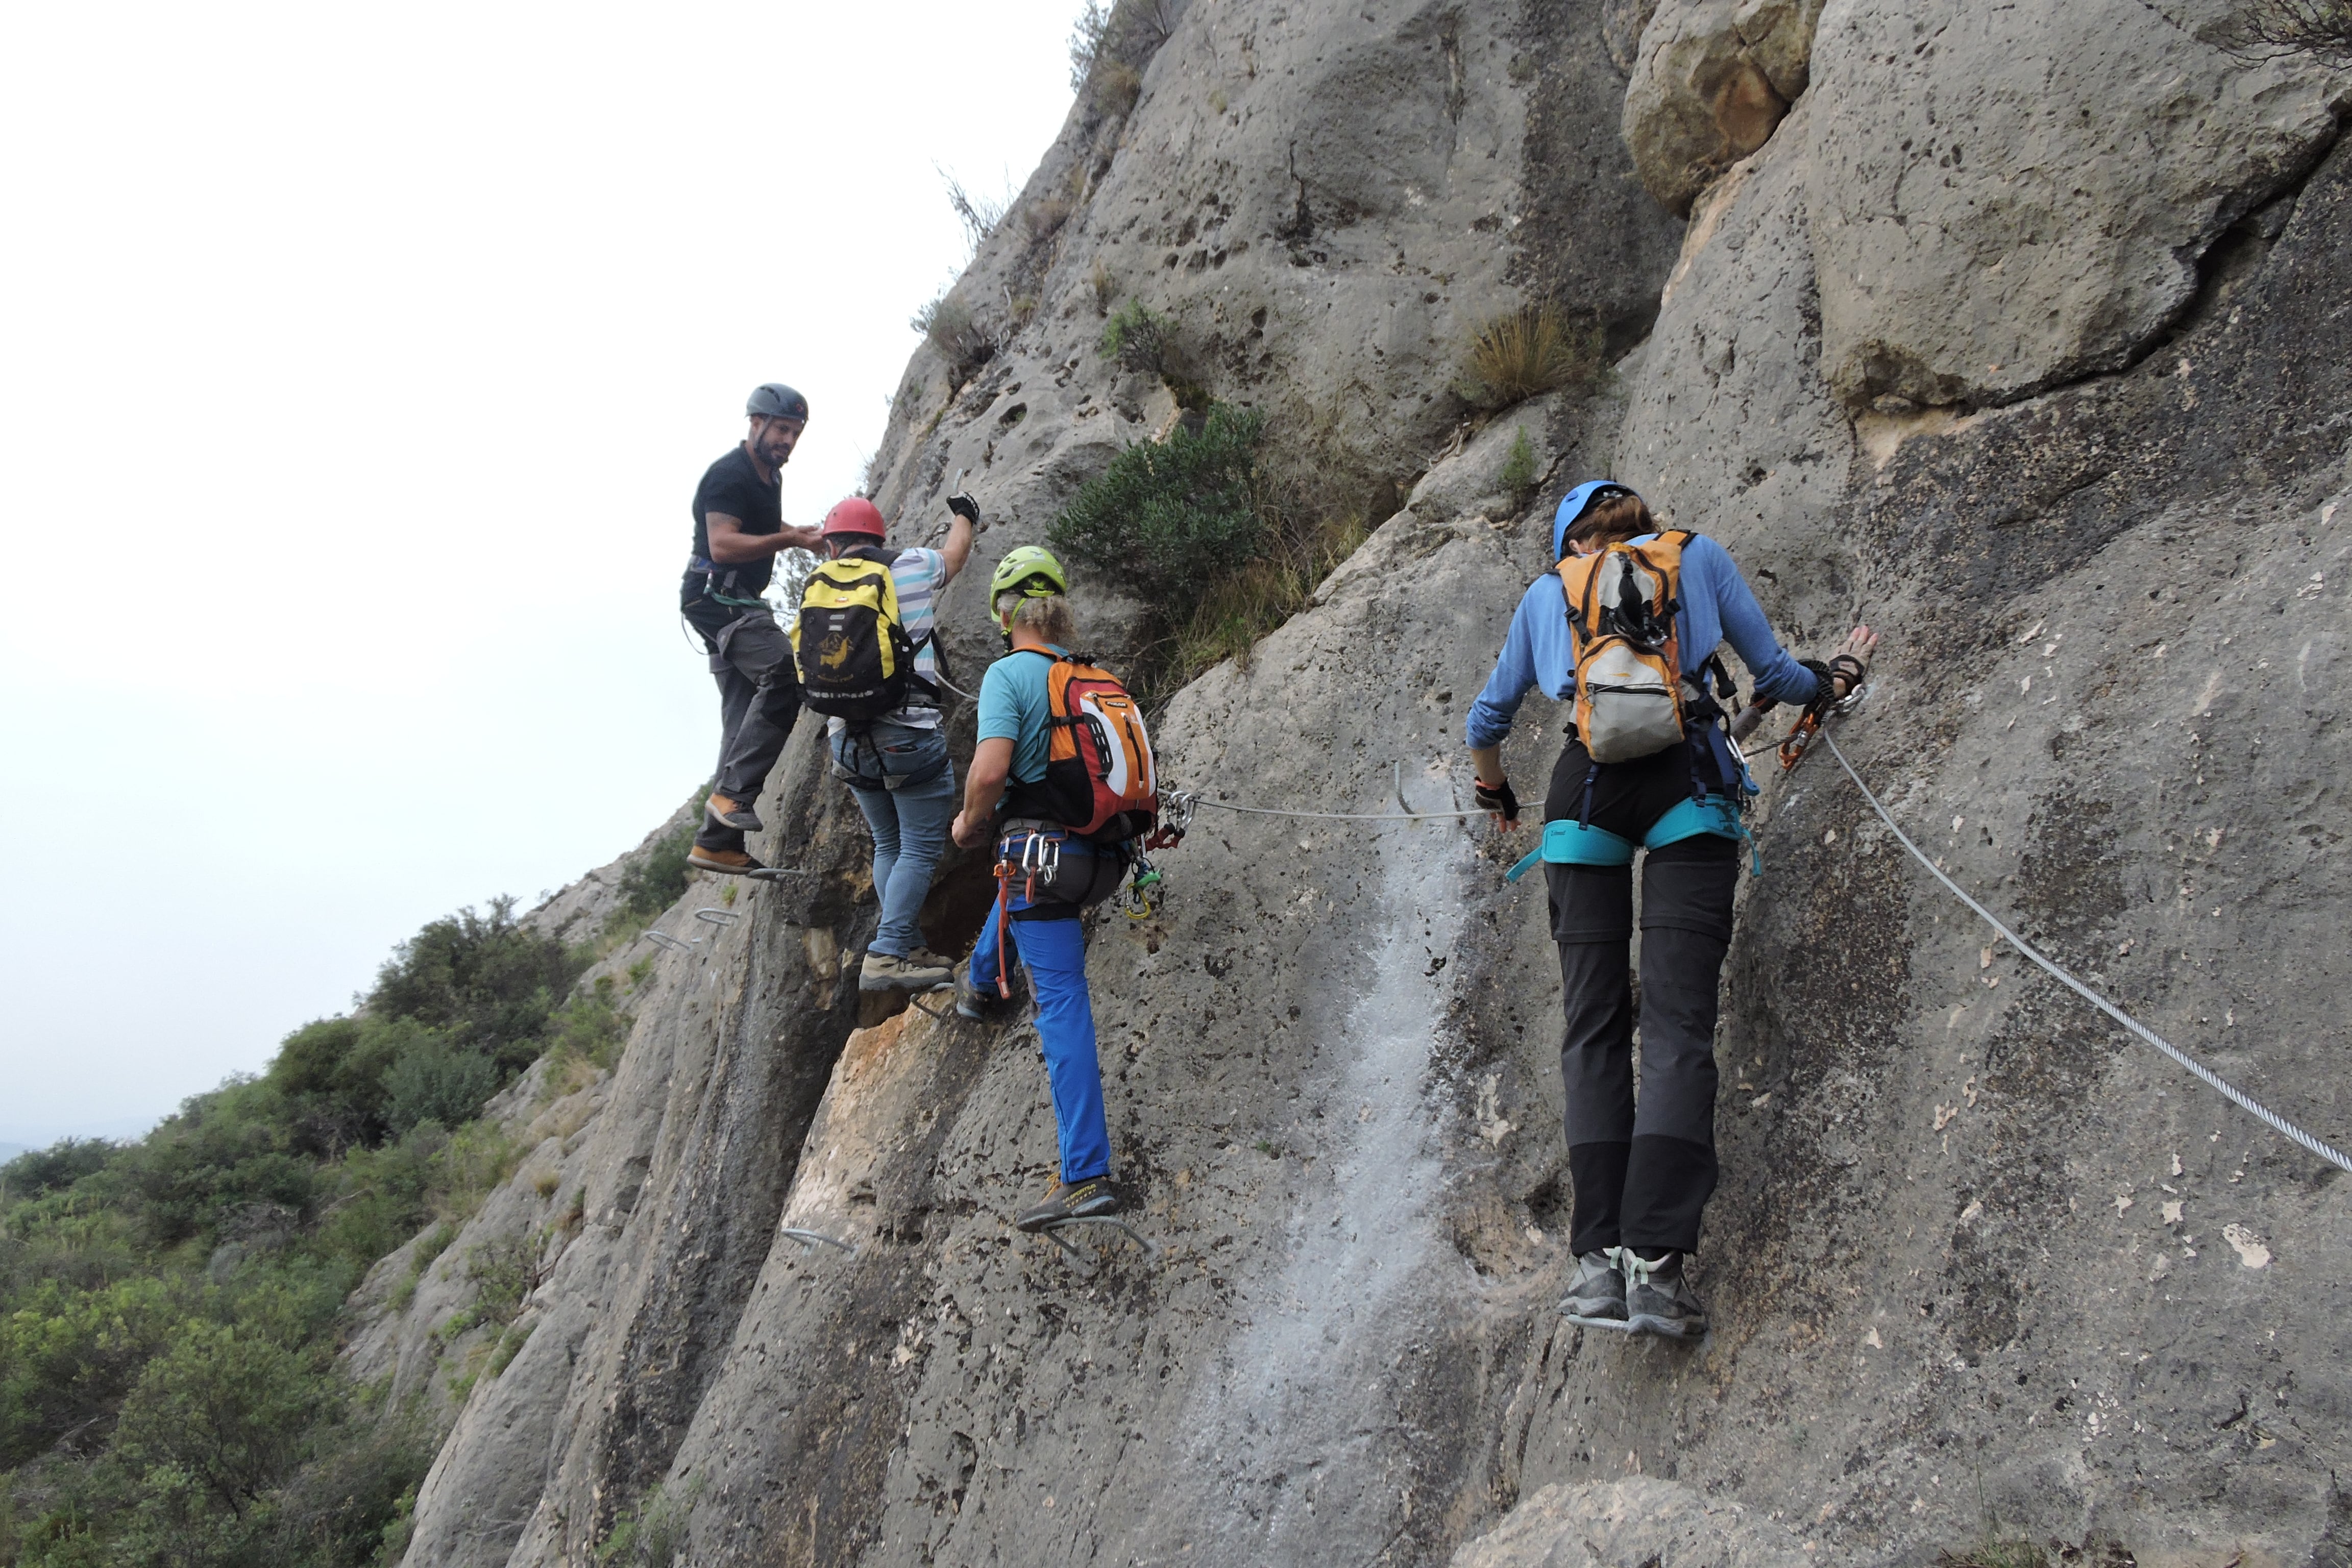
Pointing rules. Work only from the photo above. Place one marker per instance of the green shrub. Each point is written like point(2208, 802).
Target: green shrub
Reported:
point(1135, 338)
point(168, 1308)
point(590, 1029)
point(482, 982)
point(510, 1345)
point(655, 880)
point(652, 1534)
point(68, 1357)
point(55, 1168)
point(433, 1081)
point(1519, 474)
point(228, 1409)
point(1168, 519)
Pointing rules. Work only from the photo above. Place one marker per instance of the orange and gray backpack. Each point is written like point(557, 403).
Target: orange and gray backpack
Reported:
point(1622, 604)
point(1099, 781)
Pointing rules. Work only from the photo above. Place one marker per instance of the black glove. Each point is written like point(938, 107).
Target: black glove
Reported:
point(1826, 688)
point(1499, 800)
point(964, 506)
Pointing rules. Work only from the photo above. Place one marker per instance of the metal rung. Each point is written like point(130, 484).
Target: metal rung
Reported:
point(717, 917)
point(809, 1239)
point(663, 939)
point(1086, 1265)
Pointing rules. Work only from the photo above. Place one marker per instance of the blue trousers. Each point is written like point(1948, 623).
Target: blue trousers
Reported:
point(906, 786)
point(1054, 953)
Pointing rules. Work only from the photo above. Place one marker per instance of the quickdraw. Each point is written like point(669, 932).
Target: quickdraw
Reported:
point(1041, 856)
point(1145, 890)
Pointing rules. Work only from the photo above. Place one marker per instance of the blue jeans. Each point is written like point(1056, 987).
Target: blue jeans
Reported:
point(906, 786)
point(1054, 953)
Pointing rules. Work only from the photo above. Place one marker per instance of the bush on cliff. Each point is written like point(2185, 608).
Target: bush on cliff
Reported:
point(170, 1307)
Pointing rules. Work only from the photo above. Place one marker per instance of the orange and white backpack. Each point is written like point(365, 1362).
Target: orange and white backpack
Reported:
point(1099, 779)
point(1621, 602)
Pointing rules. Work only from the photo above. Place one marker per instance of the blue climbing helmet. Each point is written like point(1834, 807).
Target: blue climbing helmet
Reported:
point(1575, 504)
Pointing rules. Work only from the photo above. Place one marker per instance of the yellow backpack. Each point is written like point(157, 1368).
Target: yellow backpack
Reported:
point(1621, 602)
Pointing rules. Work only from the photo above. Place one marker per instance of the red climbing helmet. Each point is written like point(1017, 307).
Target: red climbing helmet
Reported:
point(855, 515)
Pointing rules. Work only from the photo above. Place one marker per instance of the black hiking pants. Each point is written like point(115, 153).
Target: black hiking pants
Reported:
point(759, 700)
point(1642, 1170)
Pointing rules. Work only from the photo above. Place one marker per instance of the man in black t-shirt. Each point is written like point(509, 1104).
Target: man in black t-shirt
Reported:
point(739, 527)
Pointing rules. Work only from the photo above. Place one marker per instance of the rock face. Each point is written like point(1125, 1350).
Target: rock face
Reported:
point(1711, 81)
point(2007, 200)
point(1978, 1258)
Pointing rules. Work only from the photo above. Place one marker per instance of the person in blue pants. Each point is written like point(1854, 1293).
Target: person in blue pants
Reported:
point(1036, 921)
point(1642, 1174)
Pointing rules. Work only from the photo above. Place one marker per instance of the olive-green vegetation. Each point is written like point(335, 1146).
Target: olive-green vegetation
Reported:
point(168, 1308)
point(1219, 546)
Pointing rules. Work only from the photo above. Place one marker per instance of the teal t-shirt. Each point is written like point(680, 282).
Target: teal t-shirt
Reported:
point(1013, 707)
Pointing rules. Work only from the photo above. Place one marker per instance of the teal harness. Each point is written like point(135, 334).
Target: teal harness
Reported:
point(1572, 843)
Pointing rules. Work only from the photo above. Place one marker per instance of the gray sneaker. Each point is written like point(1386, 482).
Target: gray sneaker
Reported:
point(983, 1003)
point(1658, 1300)
point(890, 972)
point(1596, 1297)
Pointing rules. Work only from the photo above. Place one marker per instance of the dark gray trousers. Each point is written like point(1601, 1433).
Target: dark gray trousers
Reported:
point(758, 701)
point(1643, 1168)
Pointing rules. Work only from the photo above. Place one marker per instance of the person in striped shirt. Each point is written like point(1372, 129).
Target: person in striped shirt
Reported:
point(898, 766)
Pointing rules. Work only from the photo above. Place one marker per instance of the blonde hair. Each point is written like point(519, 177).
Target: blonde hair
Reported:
point(1050, 618)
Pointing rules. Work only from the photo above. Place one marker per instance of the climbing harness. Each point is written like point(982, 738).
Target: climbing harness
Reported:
point(1569, 842)
point(2212, 1080)
point(1040, 856)
point(1085, 1265)
point(810, 1238)
point(717, 917)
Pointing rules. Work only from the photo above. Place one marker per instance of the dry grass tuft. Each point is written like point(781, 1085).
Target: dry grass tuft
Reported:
point(1045, 217)
point(1527, 352)
point(1118, 84)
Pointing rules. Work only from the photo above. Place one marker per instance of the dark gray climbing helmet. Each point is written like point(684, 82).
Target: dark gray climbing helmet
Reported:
point(776, 401)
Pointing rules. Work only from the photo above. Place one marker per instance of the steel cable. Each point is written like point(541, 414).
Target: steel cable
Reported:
point(2213, 1081)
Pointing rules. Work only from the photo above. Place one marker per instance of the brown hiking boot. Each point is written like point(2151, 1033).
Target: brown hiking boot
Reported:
point(726, 862)
point(729, 812)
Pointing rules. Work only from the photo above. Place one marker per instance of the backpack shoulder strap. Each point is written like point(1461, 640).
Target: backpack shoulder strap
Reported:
point(1576, 575)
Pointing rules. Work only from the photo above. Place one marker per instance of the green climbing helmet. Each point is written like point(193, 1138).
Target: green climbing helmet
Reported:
point(1030, 571)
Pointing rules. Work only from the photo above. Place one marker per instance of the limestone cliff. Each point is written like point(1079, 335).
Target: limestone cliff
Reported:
point(2024, 332)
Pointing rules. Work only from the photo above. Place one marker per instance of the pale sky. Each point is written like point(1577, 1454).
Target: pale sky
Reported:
point(358, 366)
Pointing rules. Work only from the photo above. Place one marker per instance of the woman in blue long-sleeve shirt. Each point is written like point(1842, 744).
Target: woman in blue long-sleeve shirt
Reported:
point(1642, 1174)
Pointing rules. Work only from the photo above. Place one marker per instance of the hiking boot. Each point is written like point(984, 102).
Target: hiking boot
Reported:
point(726, 862)
point(729, 812)
point(1658, 1300)
point(1596, 1297)
point(893, 972)
point(1070, 1200)
point(980, 1003)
